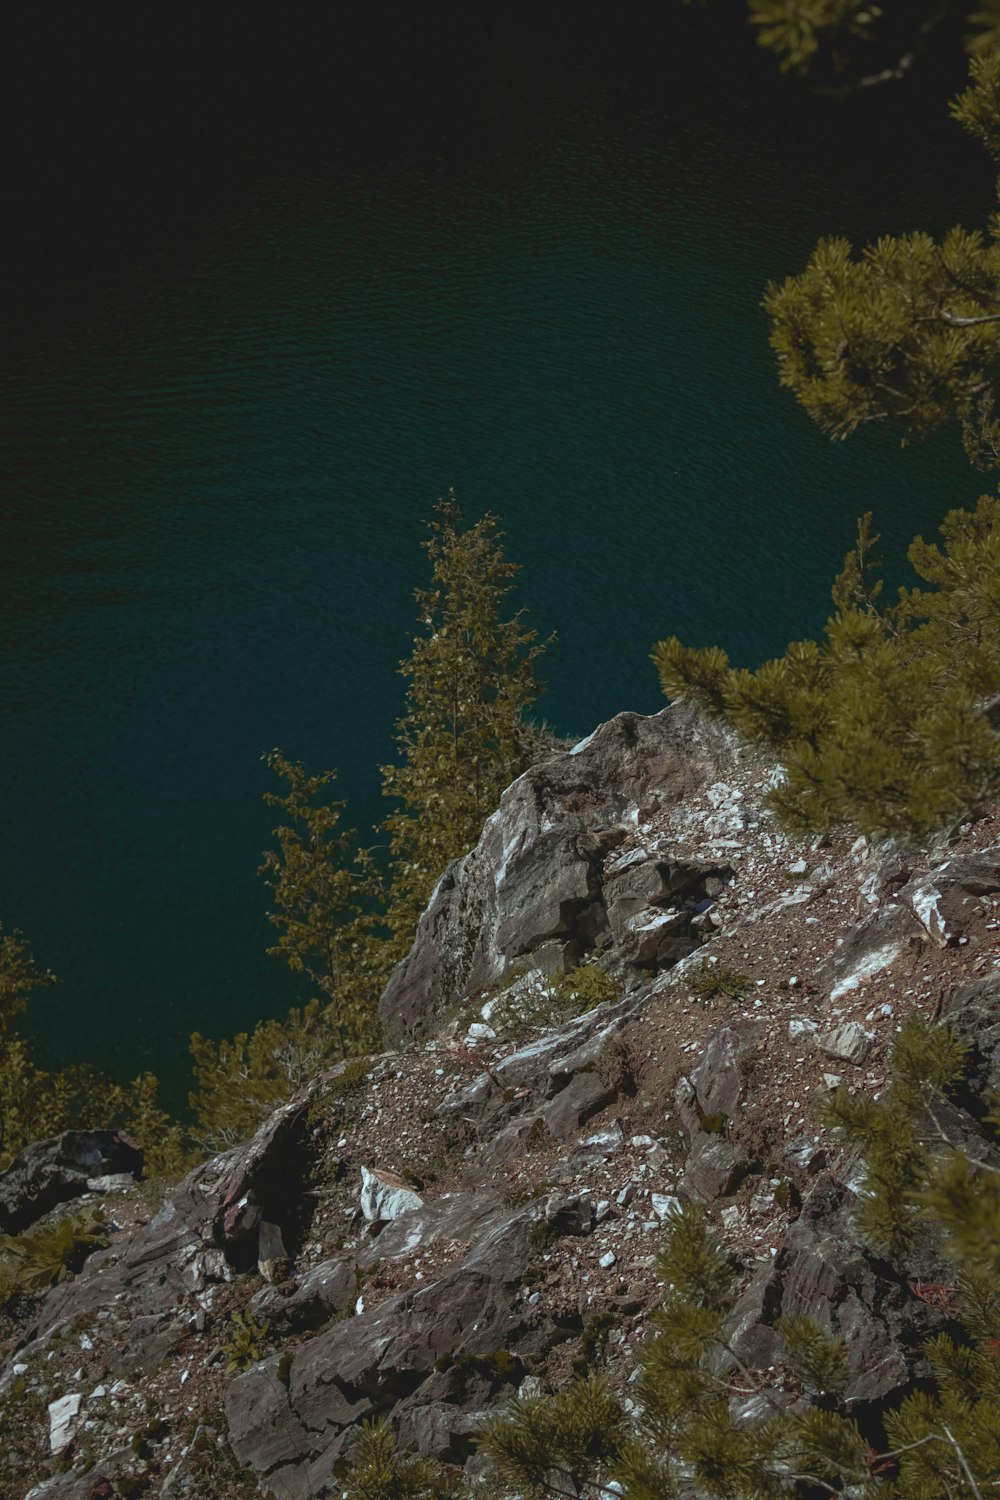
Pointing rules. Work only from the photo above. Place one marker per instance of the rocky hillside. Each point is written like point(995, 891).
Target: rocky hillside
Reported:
point(477, 1211)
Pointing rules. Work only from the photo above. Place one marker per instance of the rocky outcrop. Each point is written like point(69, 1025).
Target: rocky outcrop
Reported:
point(935, 905)
point(207, 1229)
point(537, 890)
point(437, 1358)
point(708, 1102)
point(55, 1171)
point(946, 898)
point(421, 1237)
point(824, 1271)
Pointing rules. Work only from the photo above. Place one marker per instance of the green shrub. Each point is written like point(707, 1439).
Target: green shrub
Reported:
point(381, 1473)
point(247, 1343)
point(585, 988)
point(881, 726)
point(531, 1001)
point(34, 1262)
point(717, 979)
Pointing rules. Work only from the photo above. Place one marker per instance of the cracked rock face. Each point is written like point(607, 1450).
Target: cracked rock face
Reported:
point(533, 891)
point(823, 1271)
point(428, 1355)
point(440, 1235)
point(55, 1171)
point(708, 1102)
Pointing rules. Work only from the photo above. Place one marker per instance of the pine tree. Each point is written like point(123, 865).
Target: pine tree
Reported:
point(241, 1080)
point(380, 1472)
point(881, 726)
point(463, 736)
point(909, 331)
point(36, 1104)
point(855, 43)
point(327, 893)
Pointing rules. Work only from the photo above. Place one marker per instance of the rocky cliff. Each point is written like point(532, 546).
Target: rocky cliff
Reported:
point(477, 1211)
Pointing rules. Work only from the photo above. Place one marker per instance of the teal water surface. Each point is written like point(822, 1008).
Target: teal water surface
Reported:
point(219, 472)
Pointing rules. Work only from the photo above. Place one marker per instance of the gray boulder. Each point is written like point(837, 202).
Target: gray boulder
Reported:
point(324, 1291)
point(936, 905)
point(54, 1171)
point(434, 1356)
point(945, 899)
point(709, 1103)
point(533, 890)
point(824, 1271)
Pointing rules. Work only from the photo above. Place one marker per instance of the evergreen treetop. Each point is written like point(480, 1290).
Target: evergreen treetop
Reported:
point(855, 44)
point(882, 725)
point(463, 736)
point(907, 332)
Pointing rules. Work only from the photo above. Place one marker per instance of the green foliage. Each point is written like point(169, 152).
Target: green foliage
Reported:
point(818, 1360)
point(947, 1440)
point(326, 894)
point(908, 332)
point(20, 976)
point(943, 1441)
point(796, 29)
point(855, 43)
point(977, 110)
point(166, 1146)
point(880, 726)
point(21, 1103)
point(531, 1001)
point(463, 736)
point(578, 1441)
point(584, 988)
point(716, 979)
point(33, 1262)
point(569, 1438)
point(380, 1473)
point(243, 1080)
point(913, 1188)
point(247, 1343)
point(593, 1341)
point(35, 1104)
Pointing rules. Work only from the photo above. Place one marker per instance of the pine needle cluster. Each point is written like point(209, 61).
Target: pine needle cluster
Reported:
point(857, 43)
point(380, 1472)
point(882, 725)
point(907, 332)
point(344, 916)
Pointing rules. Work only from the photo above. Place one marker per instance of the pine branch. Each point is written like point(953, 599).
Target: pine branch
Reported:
point(893, 74)
point(954, 321)
point(964, 1462)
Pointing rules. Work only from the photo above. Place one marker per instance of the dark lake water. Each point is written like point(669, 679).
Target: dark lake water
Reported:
point(234, 394)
